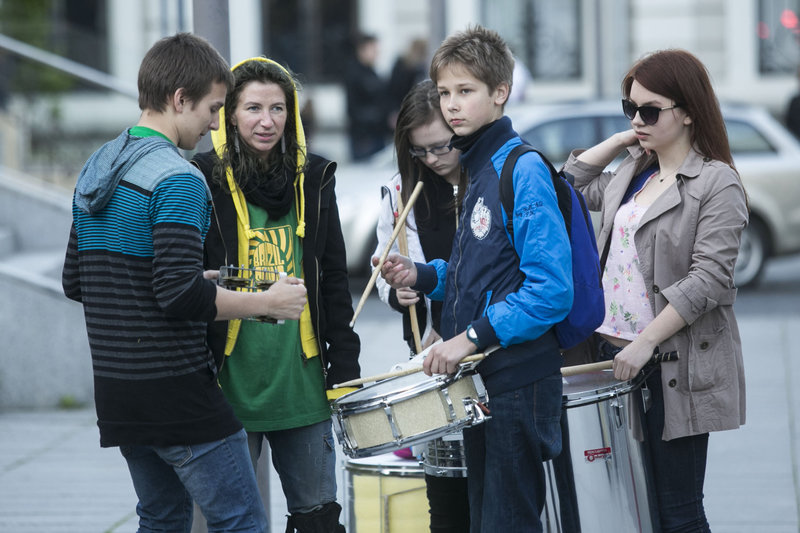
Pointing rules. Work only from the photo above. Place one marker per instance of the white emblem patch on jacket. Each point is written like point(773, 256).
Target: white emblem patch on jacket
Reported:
point(481, 220)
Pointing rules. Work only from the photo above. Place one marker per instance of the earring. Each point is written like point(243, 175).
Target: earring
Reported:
point(283, 144)
point(236, 139)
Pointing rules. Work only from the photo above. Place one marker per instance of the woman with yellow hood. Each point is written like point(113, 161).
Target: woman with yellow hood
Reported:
point(275, 207)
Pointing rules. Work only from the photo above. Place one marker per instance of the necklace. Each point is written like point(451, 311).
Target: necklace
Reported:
point(662, 176)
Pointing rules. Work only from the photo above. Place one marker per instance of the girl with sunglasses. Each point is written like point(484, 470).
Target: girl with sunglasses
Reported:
point(422, 145)
point(672, 218)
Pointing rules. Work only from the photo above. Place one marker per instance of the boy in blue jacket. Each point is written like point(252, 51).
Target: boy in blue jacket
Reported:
point(497, 291)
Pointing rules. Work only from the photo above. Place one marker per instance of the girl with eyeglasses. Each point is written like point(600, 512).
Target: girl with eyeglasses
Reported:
point(672, 218)
point(423, 151)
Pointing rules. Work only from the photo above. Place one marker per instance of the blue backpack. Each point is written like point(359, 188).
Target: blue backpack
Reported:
point(588, 305)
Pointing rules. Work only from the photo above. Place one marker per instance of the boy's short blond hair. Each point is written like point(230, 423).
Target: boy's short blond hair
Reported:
point(482, 52)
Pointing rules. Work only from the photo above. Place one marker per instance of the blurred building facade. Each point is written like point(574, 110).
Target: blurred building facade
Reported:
point(574, 49)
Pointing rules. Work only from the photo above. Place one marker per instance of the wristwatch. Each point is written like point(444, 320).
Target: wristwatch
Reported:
point(472, 335)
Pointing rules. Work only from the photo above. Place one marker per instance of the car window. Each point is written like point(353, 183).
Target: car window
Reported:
point(745, 139)
point(557, 138)
point(611, 125)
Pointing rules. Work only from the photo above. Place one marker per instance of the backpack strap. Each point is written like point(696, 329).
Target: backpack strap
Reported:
point(562, 188)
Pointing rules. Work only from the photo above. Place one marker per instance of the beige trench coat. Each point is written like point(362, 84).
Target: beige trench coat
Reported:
point(687, 244)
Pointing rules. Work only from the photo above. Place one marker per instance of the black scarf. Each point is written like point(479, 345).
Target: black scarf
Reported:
point(272, 191)
point(465, 143)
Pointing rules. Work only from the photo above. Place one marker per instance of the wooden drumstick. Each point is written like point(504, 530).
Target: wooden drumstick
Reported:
point(565, 370)
point(400, 373)
point(402, 245)
point(377, 270)
point(608, 365)
point(589, 367)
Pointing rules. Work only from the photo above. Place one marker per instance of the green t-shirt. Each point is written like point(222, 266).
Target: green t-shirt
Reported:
point(266, 380)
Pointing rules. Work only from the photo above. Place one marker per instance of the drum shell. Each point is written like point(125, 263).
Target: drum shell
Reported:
point(444, 457)
point(602, 481)
point(386, 493)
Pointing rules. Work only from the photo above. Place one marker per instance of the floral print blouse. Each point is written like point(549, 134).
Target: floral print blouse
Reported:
point(628, 309)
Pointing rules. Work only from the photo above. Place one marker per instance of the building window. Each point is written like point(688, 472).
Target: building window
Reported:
point(311, 37)
point(75, 29)
point(544, 34)
point(778, 35)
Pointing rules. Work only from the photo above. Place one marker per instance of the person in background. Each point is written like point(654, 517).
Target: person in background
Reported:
point(424, 153)
point(409, 69)
point(367, 106)
point(275, 208)
point(497, 291)
point(792, 118)
point(135, 261)
point(672, 219)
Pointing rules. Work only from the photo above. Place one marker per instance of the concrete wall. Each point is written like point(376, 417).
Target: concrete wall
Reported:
point(44, 352)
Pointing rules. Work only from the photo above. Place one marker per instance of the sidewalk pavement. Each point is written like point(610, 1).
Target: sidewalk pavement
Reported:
point(54, 477)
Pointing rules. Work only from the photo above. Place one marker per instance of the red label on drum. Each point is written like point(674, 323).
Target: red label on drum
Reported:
point(598, 453)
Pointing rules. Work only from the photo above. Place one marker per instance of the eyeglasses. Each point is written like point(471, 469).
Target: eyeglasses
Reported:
point(649, 113)
point(417, 151)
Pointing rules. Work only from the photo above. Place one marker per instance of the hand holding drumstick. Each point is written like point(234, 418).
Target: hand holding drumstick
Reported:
point(399, 225)
point(403, 296)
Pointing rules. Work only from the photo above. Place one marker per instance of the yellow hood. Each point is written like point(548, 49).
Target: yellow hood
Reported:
point(219, 139)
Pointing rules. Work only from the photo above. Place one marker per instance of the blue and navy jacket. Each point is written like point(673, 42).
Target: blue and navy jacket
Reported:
point(512, 293)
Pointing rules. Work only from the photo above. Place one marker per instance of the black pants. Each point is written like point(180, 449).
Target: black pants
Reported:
point(449, 504)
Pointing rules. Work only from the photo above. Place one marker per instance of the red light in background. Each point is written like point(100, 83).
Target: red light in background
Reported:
point(789, 19)
point(763, 30)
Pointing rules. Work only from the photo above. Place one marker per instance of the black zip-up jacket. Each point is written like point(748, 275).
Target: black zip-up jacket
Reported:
point(324, 266)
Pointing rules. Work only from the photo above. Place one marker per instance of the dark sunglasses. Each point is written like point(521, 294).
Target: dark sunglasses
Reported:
point(649, 113)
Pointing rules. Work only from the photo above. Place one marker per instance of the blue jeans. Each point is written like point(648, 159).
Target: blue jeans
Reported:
point(679, 465)
point(305, 460)
point(505, 454)
point(217, 475)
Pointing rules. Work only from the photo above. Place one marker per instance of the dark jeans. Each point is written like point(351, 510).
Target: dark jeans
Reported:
point(505, 454)
point(679, 465)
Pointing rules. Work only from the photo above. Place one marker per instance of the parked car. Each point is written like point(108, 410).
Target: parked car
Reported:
point(766, 155)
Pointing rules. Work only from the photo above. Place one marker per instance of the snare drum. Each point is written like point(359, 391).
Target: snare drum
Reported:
point(386, 493)
point(407, 410)
point(602, 480)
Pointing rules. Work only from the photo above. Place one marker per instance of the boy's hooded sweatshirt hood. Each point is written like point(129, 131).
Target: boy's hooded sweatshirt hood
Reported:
point(103, 171)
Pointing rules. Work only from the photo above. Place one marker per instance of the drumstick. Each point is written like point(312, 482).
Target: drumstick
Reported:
point(607, 365)
point(377, 270)
point(565, 370)
point(588, 367)
point(400, 373)
point(402, 245)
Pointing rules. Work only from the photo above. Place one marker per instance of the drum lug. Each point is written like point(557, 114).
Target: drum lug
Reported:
point(392, 422)
point(617, 407)
point(472, 405)
point(647, 400)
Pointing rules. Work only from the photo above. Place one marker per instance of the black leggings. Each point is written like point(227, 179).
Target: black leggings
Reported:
point(449, 504)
